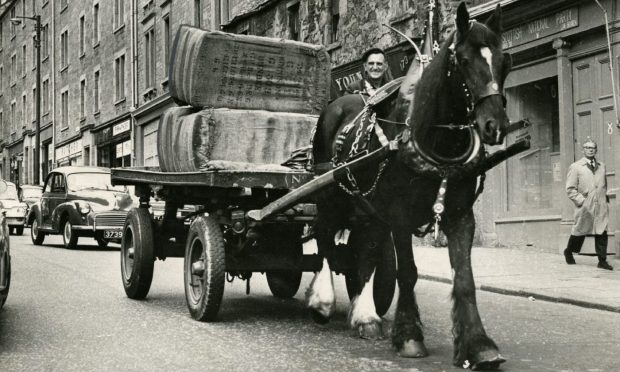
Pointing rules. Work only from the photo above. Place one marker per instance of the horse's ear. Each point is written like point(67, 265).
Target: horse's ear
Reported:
point(506, 66)
point(494, 22)
point(462, 21)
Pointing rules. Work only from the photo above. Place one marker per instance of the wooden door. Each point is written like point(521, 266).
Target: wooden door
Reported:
point(594, 117)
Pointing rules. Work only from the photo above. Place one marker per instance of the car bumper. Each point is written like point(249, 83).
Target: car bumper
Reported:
point(15, 221)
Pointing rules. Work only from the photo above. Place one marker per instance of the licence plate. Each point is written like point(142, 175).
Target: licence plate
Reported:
point(112, 234)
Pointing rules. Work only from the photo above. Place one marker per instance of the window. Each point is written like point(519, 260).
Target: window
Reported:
point(224, 12)
point(34, 100)
point(34, 55)
point(1, 34)
point(530, 176)
point(119, 66)
point(96, 91)
point(24, 110)
point(82, 35)
point(45, 41)
point(82, 98)
point(11, 25)
point(119, 13)
point(23, 10)
point(24, 60)
point(149, 58)
point(13, 71)
point(45, 94)
point(64, 105)
point(96, 24)
point(335, 19)
point(166, 44)
point(64, 49)
point(293, 22)
point(197, 13)
point(13, 121)
point(1, 79)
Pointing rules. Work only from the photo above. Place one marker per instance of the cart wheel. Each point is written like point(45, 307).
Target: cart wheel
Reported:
point(19, 230)
point(285, 283)
point(137, 259)
point(204, 269)
point(36, 235)
point(385, 278)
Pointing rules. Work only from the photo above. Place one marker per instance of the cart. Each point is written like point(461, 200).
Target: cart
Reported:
point(249, 221)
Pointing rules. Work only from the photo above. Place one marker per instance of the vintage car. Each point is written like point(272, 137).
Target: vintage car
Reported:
point(14, 209)
point(80, 201)
point(5, 260)
point(30, 194)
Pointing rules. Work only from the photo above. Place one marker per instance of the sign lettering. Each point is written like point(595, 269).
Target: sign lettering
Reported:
point(540, 28)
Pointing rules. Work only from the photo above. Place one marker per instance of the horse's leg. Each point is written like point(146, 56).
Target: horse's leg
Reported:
point(472, 346)
point(363, 314)
point(407, 334)
point(320, 294)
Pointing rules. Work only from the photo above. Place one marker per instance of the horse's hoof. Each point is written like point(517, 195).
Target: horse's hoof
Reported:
point(413, 349)
point(370, 331)
point(318, 317)
point(487, 360)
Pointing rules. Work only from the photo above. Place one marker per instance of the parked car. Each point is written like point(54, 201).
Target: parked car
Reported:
point(14, 209)
point(30, 194)
point(5, 261)
point(80, 201)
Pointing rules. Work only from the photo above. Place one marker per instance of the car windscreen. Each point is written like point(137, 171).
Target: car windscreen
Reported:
point(10, 193)
point(91, 181)
point(31, 193)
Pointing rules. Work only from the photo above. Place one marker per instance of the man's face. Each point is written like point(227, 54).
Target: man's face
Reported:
point(375, 66)
point(589, 150)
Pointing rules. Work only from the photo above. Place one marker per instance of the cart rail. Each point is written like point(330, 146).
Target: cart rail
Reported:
point(221, 178)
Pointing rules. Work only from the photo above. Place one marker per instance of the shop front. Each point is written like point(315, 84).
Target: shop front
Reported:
point(16, 159)
point(113, 144)
point(69, 153)
point(559, 93)
point(147, 124)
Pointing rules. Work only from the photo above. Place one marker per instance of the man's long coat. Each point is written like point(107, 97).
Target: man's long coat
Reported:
point(587, 188)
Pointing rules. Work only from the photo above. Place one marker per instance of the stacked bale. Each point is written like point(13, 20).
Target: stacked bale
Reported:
point(190, 142)
point(249, 99)
point(217, 69)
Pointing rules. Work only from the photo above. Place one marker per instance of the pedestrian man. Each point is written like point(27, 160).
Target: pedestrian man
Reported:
point(375, 73)
point(586, 186)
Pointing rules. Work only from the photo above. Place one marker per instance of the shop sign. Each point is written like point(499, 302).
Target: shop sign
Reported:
point(540, 28)
point(69, 149)
point(123, 149)
point(121, 127)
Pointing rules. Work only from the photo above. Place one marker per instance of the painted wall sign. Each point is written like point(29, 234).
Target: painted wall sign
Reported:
point(541, 27)
point(121, 127)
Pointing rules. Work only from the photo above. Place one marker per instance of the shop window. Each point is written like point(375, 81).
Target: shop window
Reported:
point(294, 23)
point(532, 176)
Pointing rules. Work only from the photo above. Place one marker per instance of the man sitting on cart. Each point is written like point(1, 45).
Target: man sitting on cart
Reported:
point(375, 73)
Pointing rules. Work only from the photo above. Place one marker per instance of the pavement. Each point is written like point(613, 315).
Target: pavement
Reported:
point(535, 275)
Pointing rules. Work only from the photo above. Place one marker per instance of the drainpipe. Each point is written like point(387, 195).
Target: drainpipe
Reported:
point(134, 76)
point(611, 63)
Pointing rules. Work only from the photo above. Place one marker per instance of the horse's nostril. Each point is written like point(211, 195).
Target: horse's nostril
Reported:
point(488, 126)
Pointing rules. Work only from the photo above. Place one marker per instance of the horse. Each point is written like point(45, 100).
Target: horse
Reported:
point(432, 176)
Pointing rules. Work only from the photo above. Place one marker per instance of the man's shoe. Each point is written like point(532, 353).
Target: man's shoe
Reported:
point(604, 265)
point(568, 255)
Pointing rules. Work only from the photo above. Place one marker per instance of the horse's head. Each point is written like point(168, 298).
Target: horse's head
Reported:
point(477, 55)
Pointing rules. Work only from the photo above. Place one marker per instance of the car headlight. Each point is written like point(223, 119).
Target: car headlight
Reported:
point(83, 207)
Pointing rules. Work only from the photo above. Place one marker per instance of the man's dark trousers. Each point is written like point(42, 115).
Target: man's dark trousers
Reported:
point(600, 245)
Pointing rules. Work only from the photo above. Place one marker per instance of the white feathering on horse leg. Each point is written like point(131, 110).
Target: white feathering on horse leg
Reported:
point(363, 310)
point(321, 294)
point(342, 237)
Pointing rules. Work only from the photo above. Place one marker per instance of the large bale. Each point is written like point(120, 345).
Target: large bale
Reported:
point(217, 69)
point(189, 142)
point(168, 129)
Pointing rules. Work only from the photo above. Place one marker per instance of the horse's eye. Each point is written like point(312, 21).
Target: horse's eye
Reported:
point(464, 61)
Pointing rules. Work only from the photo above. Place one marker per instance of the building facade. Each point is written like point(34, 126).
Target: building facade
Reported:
point(105, 84)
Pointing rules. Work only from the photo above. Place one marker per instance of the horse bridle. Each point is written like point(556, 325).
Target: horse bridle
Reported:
point(490, 89)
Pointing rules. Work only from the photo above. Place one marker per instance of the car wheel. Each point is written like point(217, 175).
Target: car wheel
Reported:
point(36, 235)
point(19, 230)
point(101, 242)
point(69, 237)
point(5, 276)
